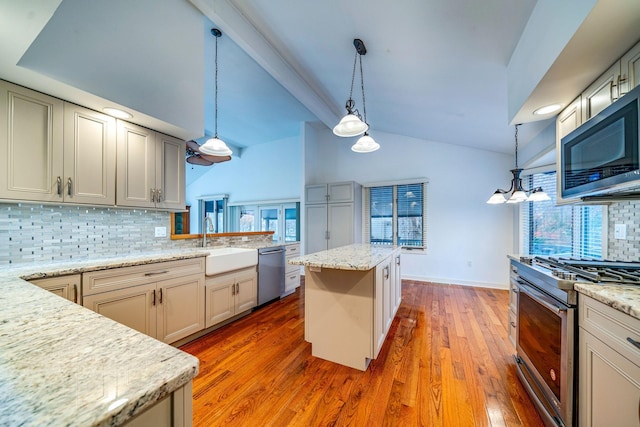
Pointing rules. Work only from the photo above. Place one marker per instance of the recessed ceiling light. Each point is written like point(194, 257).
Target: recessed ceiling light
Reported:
point(547, 109)
point(117, 113)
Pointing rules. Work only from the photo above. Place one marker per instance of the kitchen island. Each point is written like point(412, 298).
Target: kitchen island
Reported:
point(352, 294)
point(62, 364)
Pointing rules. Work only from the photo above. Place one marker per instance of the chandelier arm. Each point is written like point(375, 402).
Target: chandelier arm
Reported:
point(364, 104)
point(350, 103)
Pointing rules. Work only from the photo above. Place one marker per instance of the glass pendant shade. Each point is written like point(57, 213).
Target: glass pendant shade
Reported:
point(215, 147)
point(517, 197)
point(350, 125)
point(365, 144)
point(497, 198)
point(538, 195)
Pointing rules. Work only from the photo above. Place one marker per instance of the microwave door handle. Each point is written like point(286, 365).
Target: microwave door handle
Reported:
point(540, 298)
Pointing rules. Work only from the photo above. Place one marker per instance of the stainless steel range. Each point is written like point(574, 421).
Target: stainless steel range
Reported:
point(547, 327)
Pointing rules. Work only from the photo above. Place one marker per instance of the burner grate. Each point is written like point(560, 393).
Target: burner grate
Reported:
point(598, 271)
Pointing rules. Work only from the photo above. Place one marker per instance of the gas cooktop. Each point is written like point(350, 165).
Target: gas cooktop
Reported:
point(596, 271)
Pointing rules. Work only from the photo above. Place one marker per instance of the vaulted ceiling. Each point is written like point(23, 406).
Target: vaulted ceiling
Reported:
point(437, 70)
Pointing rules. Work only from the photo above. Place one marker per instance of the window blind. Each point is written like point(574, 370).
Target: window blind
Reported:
point(562, 231)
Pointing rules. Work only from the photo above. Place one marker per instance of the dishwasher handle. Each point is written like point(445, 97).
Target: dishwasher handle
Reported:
point(276, 251)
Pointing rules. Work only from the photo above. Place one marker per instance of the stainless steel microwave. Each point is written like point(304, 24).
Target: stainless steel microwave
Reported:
point(603, 155)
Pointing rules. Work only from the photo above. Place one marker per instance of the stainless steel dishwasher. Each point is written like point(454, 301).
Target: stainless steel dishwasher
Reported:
point(271, 266)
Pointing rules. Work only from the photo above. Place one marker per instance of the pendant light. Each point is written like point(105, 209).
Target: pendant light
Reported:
point(365, 143)
point(518, 194)
point(215, 146)
point(352, 124)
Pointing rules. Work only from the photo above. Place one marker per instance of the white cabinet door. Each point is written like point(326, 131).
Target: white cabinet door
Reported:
point(67, 287)
point(246, 295)
point(601, 93)
point(568, 120)
point(134, 307)
point(609, 385)
point(31, 145)
point(316, 228)
point(630, 69)
point(316, 193)
point(180, 307)
point(136, 165)
point(220, 300)
point(340, 192)
point(89, 156)
point(340, 224)
point(170, 173)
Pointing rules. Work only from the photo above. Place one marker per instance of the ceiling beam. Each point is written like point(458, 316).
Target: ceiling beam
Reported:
point(232, 22)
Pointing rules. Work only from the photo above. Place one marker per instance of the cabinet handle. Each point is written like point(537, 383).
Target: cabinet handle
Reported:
point(158, 195)
point(59, 180)
point(160, 299)
point(327, 235)
point(611, 86)
point(153, 195)
point(292, 277)
point(513, 324)
point(635, 343)
point(233, 289)
point(397, 260)
point(386, 272)
point(237, 288)
point(75, 293)
point(621, 79)
point(69, 186)
point(155, 273)
point(154, 297)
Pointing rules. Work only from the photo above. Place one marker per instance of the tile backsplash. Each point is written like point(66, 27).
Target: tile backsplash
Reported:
point(32, 232)
point(627, 213)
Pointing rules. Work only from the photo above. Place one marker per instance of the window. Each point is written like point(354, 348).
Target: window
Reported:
point(214, 207)
point(281, 218)
point(563, 231)
point(395, 215)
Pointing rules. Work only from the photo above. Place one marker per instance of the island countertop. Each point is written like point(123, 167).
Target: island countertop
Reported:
point(63, 364)
point(361, 257)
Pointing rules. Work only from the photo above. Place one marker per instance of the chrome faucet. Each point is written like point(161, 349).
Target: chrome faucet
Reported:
point(207, 221)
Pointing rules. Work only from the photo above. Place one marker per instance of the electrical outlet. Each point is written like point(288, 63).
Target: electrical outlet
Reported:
point(620, 231)
point(161, 231)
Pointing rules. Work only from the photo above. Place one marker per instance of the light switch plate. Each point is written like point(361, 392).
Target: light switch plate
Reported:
point(161, 231)
point(620, 231)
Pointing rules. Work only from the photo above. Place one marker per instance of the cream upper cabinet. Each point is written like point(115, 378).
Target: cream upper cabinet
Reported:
point(67, 287)
point(31, 145)
point(151, 168)
point(55, 151)
point(568, 120)
point(601, 93)
point(630, 70)
point(89, 156)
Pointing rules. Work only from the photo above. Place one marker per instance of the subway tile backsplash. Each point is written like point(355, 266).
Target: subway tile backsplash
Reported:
point(32, 233)
point(627, 213)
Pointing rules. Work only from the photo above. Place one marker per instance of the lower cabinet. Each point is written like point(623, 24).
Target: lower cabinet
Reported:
point(609, 366)
point(155, 299)
point(175, 410)
point(292, 272)
point(67, 287)
point(229, 294)
point(388, 292)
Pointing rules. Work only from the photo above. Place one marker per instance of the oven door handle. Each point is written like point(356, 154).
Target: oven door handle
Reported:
point(540, 298)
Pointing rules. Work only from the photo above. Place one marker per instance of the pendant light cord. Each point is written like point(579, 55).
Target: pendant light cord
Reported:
point(216, 97)
point(364, 105)
point(353, 76)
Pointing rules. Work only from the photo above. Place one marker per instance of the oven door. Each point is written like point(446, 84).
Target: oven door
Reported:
point(545, 346)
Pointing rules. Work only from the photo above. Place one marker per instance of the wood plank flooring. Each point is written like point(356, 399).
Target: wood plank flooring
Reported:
point(447, 361)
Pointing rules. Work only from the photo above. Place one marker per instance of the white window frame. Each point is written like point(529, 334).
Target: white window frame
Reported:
point(366, 214)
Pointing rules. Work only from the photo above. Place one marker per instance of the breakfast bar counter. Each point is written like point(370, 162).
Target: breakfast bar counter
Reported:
point(352, 294)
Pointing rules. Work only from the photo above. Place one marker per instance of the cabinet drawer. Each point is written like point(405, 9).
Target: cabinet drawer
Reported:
point(513, 326)
point(119, 278)
point(291, 281)
point(293, 250)
point(611, 326)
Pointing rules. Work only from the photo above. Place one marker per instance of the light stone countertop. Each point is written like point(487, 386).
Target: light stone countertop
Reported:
point(360, 257)
point(623, 298)
point(62, 364)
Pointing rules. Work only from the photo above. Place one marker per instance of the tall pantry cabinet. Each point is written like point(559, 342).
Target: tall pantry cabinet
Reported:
point(332, 215)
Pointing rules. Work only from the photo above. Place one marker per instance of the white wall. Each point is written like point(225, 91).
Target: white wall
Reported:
point(467, 240)
point(267, 171)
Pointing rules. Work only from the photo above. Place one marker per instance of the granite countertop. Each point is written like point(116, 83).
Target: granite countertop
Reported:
point(361, 257)
point(623, 298)
point(62, 364)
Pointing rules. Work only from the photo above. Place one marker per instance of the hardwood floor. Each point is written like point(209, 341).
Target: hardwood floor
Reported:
point(446, 361)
